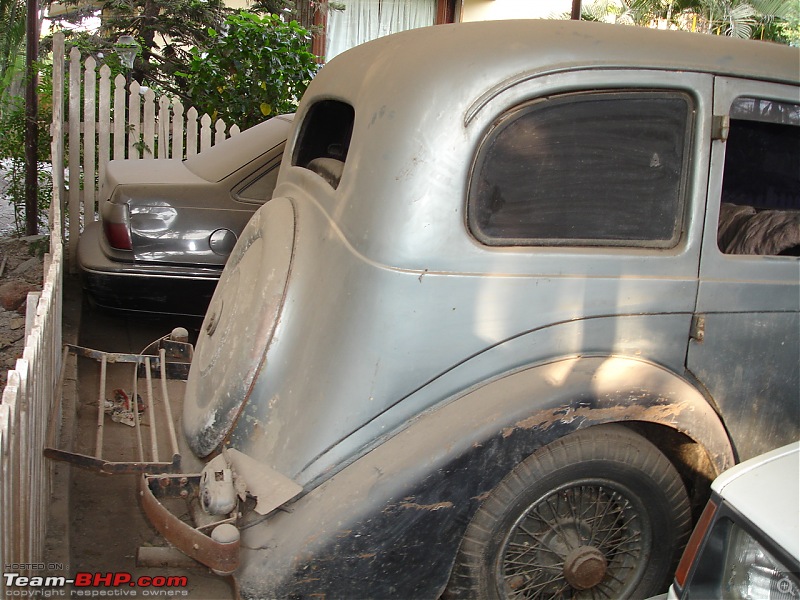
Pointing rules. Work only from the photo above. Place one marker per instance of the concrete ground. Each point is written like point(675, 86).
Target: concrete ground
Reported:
point(106, 524)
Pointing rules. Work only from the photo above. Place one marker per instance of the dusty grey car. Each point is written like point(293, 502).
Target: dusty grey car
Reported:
point(512, 308)
point(168, 226)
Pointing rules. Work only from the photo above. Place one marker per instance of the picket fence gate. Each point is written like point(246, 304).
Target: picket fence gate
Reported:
point(107, 121)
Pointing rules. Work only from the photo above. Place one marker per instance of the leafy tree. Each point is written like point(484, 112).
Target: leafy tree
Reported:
point(775, 20)
point(165, 30)
point(259, 67)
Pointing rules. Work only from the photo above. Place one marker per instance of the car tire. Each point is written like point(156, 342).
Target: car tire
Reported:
point(600, 513)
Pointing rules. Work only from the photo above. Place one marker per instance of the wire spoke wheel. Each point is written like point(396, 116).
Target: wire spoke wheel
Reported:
point(598, 514)
point(582, 540)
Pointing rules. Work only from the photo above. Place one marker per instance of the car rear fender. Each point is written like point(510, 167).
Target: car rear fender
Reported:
point(402, 507)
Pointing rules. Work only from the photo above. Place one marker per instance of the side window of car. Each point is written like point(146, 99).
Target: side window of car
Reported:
point(760, 212)
point(324, 140)
point(260, 190)
point(595, 168)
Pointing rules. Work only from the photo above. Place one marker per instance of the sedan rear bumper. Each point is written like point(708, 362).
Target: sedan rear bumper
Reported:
point(137, 287)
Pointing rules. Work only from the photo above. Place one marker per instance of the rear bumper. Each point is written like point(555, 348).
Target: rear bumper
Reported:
point(136, 287)
point(222, 557)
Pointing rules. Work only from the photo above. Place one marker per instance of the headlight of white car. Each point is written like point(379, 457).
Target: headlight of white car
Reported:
point(752, 572)
point(734, 565)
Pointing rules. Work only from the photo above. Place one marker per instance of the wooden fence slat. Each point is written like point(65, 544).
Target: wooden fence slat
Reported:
point(191, 131)
point(104, 124)
point(149, 125)
point(219, 131)
point(120, 119)
point(134, 121)
point(74, 151)
point(56, 130)
point(177, 130)
point(5, 492)
point(205, 132)
point(163, 127)
point(89, 141)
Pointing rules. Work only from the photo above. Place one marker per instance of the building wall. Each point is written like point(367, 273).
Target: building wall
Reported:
point(490, 10)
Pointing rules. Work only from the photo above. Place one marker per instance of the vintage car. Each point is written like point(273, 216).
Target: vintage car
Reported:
point(488, 339)
point(747, 541)
point(168, 226)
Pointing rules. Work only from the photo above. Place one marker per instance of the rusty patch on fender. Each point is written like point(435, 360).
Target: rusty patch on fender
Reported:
point(437, 506)
point(659, 413)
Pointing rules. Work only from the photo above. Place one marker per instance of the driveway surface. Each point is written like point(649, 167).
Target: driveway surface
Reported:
point(107, 525)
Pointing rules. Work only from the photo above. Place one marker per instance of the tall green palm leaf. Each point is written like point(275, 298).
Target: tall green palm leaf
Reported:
point(741, 18)
point(12, 38)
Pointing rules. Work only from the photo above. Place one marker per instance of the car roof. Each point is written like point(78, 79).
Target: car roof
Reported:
point(435, 62)
point(766, 490)
point(226, 157)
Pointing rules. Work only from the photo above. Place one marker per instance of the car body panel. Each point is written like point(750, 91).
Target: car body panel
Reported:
point(398, 508)
point(760, 318)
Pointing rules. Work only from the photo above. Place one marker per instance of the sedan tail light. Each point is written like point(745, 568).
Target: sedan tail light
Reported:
point(116, 226)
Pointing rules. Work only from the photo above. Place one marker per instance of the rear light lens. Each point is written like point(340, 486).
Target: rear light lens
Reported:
point(118, 235)
point(116, 225)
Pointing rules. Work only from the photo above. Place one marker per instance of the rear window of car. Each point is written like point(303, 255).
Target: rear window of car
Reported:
point(760, 212)
point(595, 168)
point(324, 139)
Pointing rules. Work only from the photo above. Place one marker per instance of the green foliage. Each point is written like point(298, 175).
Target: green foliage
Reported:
point(258, 68)
point(775, 20)
point(12, 38)
point(12, 151)
point(164, 29)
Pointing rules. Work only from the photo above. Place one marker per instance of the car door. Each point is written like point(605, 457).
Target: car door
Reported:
point(746, 329)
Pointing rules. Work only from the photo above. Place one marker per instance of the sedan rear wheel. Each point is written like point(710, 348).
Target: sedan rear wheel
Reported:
point(600, 513)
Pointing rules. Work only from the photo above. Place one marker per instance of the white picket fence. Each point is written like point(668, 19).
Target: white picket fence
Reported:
point(107, 121)
point(27, 403)
point(26, 477)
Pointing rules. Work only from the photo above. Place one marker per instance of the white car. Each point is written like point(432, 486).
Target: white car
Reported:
point(747, 542)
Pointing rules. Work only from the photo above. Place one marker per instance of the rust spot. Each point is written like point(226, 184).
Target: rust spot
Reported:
point(481, 497)
point(659, 413)
point(344, 533)
point(367, 555)
point(436, 506)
